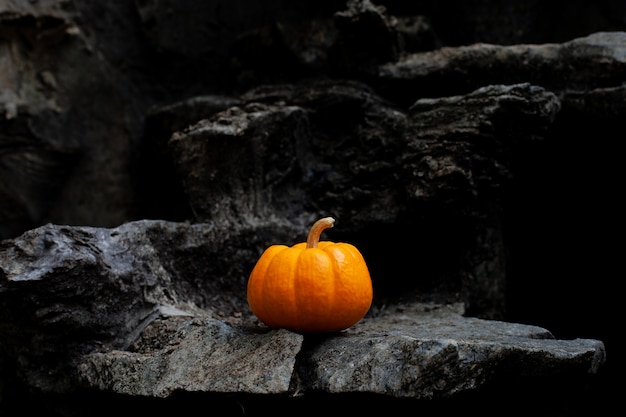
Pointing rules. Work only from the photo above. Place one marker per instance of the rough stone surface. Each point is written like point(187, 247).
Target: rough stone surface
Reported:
point(474, 130)
point(425, 351)
point(438, 167)
point(415, 351)
point(152, 308)
point(586, 63)
point(202, 356)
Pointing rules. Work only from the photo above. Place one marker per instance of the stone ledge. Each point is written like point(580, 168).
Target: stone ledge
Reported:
point(153, 308)
point(415, 351)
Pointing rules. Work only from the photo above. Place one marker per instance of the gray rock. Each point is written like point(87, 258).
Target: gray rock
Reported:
point(417, 147)
point(444, 161)
point(203, 355)
point(428, 351)
point(152, 308)
point(415, 351)
point(582, 64)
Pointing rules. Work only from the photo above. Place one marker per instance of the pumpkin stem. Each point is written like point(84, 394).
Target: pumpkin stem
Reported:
point(316, 230)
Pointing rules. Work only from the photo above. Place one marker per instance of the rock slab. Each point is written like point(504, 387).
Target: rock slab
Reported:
point(123, 311)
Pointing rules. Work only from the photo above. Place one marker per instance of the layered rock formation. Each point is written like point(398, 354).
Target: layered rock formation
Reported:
point(150, 151)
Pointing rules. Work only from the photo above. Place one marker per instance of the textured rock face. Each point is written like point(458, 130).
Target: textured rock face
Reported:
point(234, 126)
point(205, 356)
point(74, 144)
point(438, 169)
point(413, 354)
point(152, 308)
point(63, 108)
point(283, 152)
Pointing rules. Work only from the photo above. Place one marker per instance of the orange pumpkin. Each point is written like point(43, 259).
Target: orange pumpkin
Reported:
point(311, 287)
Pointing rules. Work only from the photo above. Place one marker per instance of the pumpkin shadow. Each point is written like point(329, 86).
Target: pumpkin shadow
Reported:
point(313, 340)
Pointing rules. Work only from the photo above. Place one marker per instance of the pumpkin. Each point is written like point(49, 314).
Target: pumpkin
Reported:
point(310, 287)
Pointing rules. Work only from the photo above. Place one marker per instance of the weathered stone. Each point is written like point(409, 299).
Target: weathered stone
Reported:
point(447, 151)
point(59, 143)
point(439, 149)
point(68, 289)
point(443, 162)
point(152, 308)
point(412, 351)
point(203, 356)
point(244, 163)
point(426, 351)
point(594, 61)
point(66, 141)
